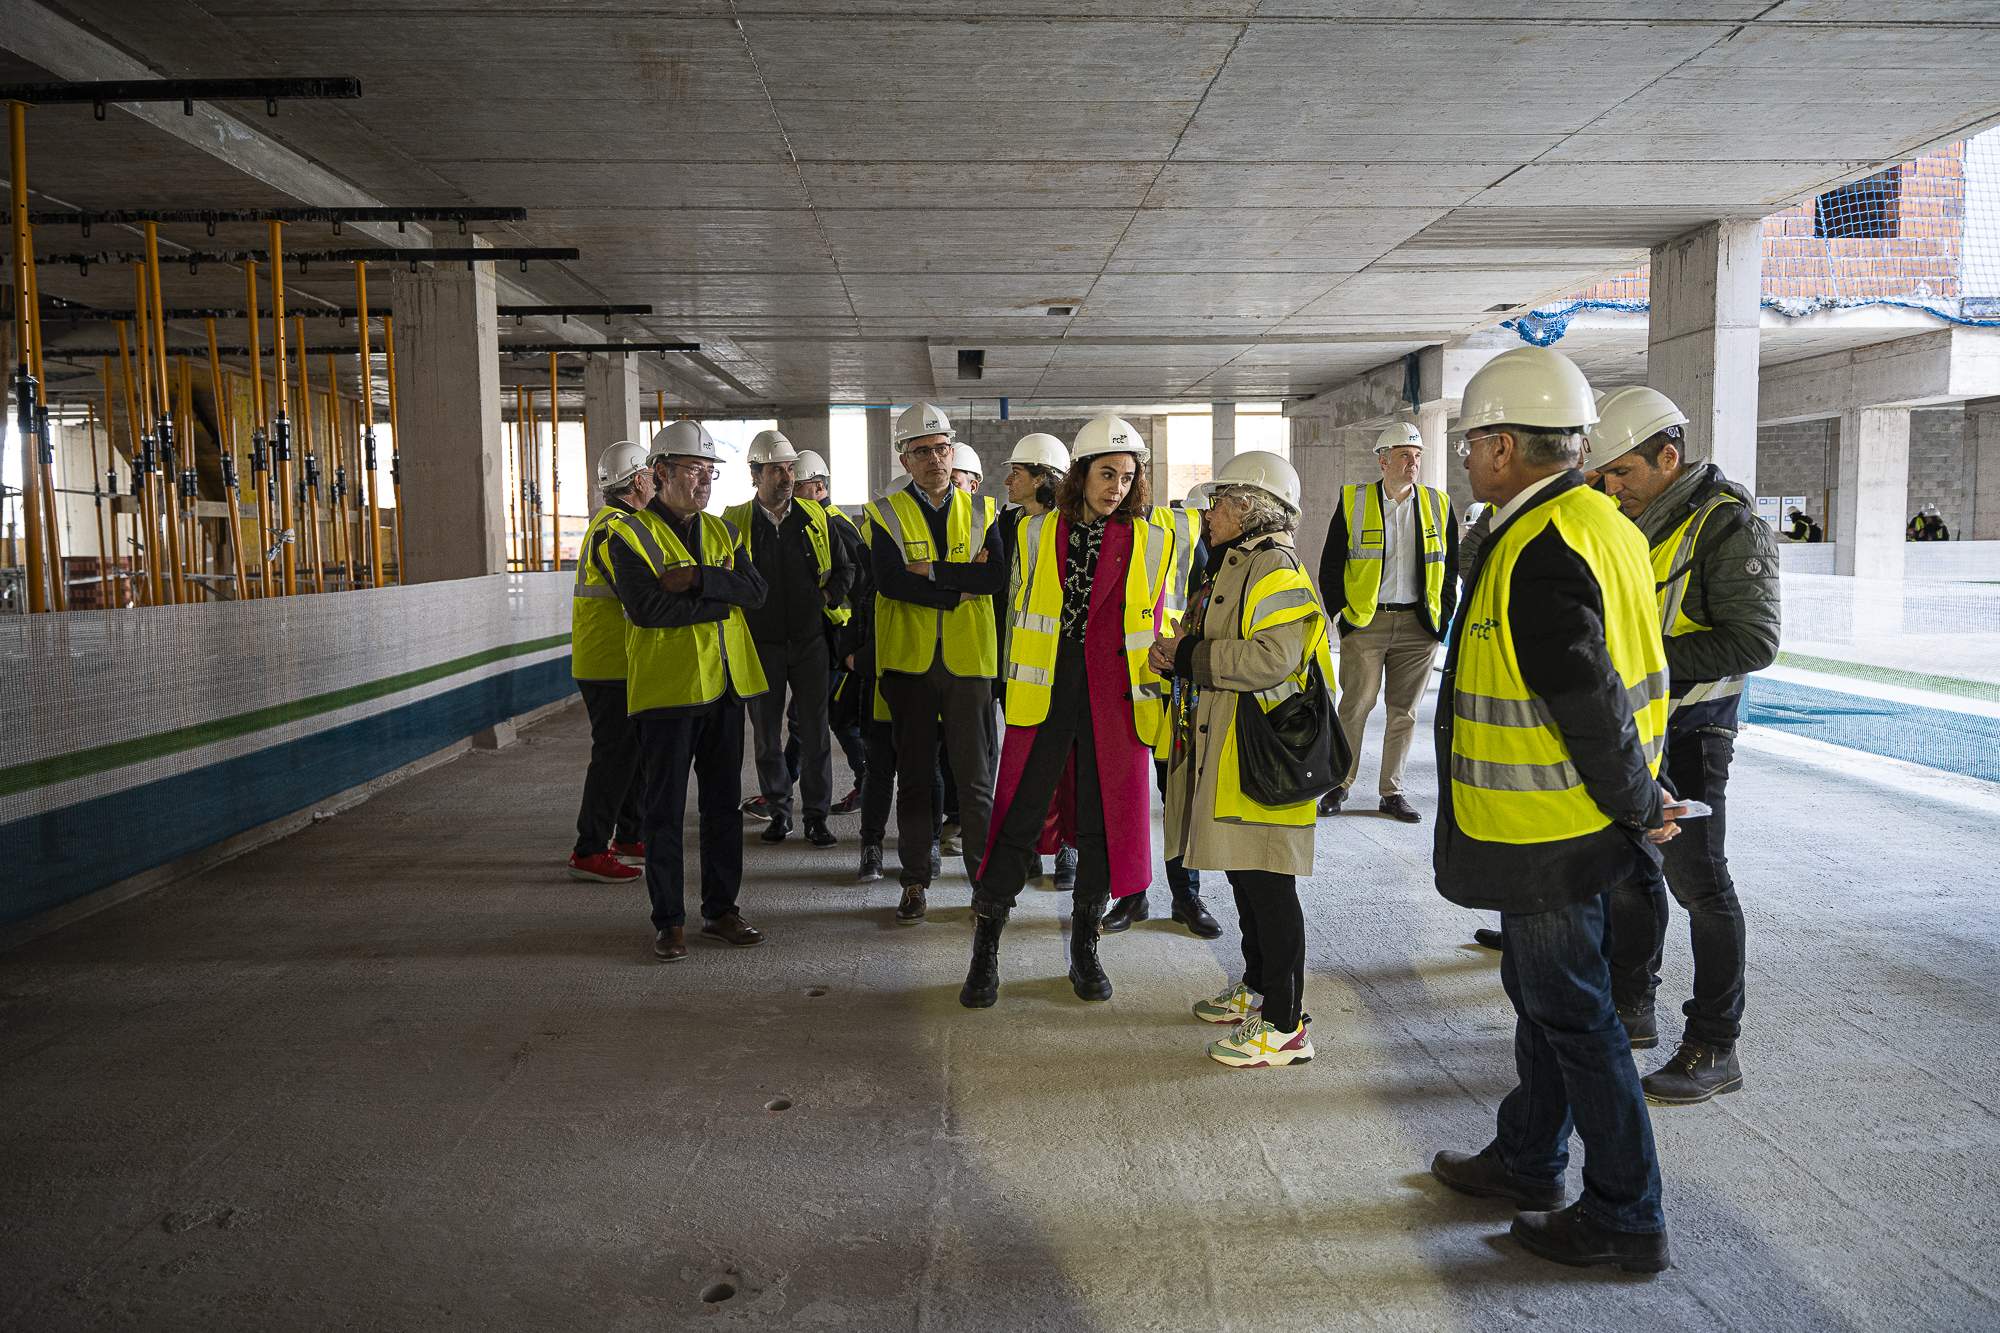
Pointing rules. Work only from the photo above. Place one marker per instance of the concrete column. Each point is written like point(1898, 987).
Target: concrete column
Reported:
point(448, 384)
point(1438, 457)
point(611, 412)
point(1873, 492)
point(1982, 449)
point(1701, 341)
point(809, 430)
point(1223, 434)
point(881, 452)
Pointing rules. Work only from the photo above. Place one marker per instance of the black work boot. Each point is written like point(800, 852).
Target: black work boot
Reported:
point(1568, 1237)
point(871, 863)
point(1694, 1073)
point(982, 978)
point(779, 828)
point(1193, 913)
point(1484, 1175)
point(1124, 912)
point(1642, 1028)
point(1086, 973)
point(1066, 859)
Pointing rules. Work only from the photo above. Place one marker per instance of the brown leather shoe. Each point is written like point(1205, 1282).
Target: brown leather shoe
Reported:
point(731, 928)
point(671, 945)
point(910, 910)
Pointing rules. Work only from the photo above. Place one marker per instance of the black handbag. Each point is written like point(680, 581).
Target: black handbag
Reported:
point(1293, 753)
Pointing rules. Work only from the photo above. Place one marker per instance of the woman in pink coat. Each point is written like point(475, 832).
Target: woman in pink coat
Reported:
point(1080, 698)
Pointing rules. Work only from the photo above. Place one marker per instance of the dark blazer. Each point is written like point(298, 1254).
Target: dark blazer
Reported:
point(1333, 569)
point(1556, 618)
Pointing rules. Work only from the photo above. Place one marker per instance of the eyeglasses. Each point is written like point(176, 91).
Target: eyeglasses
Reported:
point(708, 470)
point(930, 451)
point(1465, 442)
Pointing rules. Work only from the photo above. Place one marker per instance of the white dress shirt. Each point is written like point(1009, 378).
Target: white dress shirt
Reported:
point(1402, 550)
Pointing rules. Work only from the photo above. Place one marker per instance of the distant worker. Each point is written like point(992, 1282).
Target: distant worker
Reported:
point(607, 823)
point(807, 574)
point(1927, 525)
point(1189, 568)
point(1080, 698)
point(812, 481)
point(1801, 528)
point(1715, 566)
point(689, 666)
point(1389, 575)
point(1253, 634)
point(967, 475)
point(937, 566)
point(1549, 726)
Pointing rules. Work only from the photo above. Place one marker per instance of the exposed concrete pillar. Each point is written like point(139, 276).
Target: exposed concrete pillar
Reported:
point(1873, 492)
point(448, 386)
point(1222, 438)
point(610, 412)
point(1701, 341)
point(809, 430)
point(1982, 449)
point(881, 452)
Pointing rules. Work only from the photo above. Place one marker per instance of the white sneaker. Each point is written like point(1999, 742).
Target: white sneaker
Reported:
point(1232, 1006)
point(1255, 1044)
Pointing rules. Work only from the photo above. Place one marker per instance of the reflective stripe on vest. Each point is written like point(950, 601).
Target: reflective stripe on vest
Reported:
point(817, 538)
point(596, 620)
point(1673, 569)
point(1283, 596)
point(1033, 639)
point(1184, 526)
point(687, 664)
point(907, 635)
point(1361, 576)
point(1512, 777)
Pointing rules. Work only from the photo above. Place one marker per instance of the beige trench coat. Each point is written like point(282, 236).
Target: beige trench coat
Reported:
point(1224, 664)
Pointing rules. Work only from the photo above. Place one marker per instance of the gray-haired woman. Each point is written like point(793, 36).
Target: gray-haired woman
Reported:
point(1251, 634)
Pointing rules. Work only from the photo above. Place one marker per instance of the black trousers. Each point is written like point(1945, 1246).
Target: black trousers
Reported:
point(1063, 734)
point(1697, 871)
point(1274, 942)
point(1180, 880)
point(920, 709)
point(878, 778)
point(796, 672)
point(611, 784)
point(846, 731)
point(709, 744)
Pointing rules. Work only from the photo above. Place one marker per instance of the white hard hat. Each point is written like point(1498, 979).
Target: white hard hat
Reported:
point(1265, 471)
point(919, 420)
point(770, 446)
point(1199, 495)
point(811, 467)
point(1399, 435)
point(618, 464)
point(1040, 450)
point(1108, 435)
point(684, 439)
point(964, 458)
point(1628, 417)
point(1528, 386)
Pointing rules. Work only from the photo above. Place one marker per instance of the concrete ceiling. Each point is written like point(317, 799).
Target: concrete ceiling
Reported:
point(1239, 199)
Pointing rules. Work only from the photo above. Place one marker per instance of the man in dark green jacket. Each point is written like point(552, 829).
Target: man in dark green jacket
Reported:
point(1716, 566)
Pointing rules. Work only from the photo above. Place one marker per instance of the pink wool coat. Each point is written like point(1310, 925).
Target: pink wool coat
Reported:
point(1124, 763)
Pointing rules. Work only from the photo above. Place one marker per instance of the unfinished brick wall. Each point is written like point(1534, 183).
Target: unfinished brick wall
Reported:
point(1800, 458)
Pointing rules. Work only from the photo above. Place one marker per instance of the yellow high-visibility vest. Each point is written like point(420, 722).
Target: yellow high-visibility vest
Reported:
point(1361, 576)
point(817, 537)
point(596, 620)
point(1278, 598)
point(906, 634)
point(1512, 779)
point(1185, 525)
point(1034, 632)
point(687, 664)
point(1673, 565)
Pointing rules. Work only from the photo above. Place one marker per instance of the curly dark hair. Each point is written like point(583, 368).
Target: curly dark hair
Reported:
point(1069, 495)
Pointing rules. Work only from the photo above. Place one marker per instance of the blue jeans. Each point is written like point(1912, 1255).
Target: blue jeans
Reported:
point(1575, 1069)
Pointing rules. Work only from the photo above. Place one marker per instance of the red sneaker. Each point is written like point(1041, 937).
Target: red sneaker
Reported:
point(603, 868)
point(629, 851)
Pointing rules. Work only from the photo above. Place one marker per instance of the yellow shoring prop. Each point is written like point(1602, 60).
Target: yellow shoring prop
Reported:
point(225, 444)
point(281, 426)
point(395, 442)
point(309, 495)
point(25, 323)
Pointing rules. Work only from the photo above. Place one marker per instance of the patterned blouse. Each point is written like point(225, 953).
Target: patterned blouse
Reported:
point(1086, 541)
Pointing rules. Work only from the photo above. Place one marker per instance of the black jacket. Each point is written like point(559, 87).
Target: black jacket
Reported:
point(1556, 618)
point(650, 606)
point(1333, 567)
point(894, 579)
point(794, 611)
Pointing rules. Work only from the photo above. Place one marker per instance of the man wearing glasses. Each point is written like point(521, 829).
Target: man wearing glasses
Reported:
point(689, 663)
point(938, 565)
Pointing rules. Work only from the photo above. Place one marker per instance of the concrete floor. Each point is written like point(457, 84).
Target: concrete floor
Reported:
point(397, 1072)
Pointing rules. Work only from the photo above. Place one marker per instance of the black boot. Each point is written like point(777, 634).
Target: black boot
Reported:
point(1193, 913)
point(1642, 1026)
point(1697, 1072)
point(982, 978)
point(1086, 973)
point(1066, 859)
point(1129, 909)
